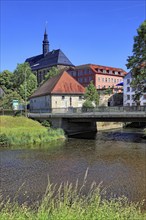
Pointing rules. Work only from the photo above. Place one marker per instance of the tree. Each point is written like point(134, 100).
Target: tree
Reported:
point(137, 62)
point(6, 101)
point(91, 94)
point(52, 72)
point(6, 81)
point(25, 82)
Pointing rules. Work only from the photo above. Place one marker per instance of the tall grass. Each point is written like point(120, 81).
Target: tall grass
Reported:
point(23, 131)
point(68, 202)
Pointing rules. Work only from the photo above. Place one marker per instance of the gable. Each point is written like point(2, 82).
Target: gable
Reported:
point(67, 85)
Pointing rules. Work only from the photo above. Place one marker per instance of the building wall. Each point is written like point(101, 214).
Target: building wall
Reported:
point(45, 103)
point(65, 101)
point(101, 80)
point(107, 81)
point(42, 103)
point(40, 74)
point(128, 93)
point(83, 76)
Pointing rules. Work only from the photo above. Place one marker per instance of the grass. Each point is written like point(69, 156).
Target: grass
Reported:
point(23, 131)
point(66, 202)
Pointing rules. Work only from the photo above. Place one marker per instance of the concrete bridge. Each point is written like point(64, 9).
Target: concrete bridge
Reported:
point(77, 120)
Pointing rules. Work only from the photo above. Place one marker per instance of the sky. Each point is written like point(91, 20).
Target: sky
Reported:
point(93, 31)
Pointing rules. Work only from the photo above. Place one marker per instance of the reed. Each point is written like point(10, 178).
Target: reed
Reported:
point(68, 202)
point(24, 131)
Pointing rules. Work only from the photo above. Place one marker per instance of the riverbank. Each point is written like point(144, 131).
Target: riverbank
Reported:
point(23, 131)
point(108, 125)
point(68, 202)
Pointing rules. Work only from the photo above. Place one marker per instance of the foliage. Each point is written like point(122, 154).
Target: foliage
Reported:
point(6, 101)
point(68, 202)
point(54, 71)
point(6, 81)
point(108, 91)
point(16, 130)
point(88, 104)
point(137, 62)
point(25, 82)
point(91, 94)
point(46, 124)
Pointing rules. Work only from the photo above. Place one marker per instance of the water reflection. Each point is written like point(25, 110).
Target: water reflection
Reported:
point(117, 159)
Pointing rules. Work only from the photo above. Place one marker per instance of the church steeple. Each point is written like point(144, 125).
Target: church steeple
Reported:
point(45, 44)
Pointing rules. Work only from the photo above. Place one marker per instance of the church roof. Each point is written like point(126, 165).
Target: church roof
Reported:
point(63, 83)
point(52, 58)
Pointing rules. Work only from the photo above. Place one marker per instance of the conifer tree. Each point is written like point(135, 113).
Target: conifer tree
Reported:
point(91, 94)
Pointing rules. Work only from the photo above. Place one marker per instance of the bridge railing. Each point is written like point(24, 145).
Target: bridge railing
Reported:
point(95, 109)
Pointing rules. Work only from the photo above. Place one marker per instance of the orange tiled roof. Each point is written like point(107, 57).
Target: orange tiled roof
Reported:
point(60, 84)
point(95, 66)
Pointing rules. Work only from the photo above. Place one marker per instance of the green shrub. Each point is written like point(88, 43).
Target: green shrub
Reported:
point(4, 140)
point(46, 124)
point(24, 131)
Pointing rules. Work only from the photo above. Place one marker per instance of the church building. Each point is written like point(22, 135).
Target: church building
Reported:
point(41, 64)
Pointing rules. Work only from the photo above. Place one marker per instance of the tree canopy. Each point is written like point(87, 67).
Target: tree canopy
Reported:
point(137, 62)
point(6, 81)
point(91, 94)
point(25, 82)
point(17, 85)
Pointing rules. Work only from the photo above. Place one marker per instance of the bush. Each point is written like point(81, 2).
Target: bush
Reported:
point(46, 124)
point(88, 104)
point(3, 140)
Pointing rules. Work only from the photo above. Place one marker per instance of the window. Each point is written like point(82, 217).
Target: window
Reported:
point(104, 71)
point(98, 86)
point(128, 89)
point(105, 79)
point(102, 79)
point(98, 79)
point(128, 97)
point(108, 79)
point(133, 89)
point(132, 97)
point(144, 96)
point(128, 81)
point(85, 79)
point(63, 97)
point(80, 97)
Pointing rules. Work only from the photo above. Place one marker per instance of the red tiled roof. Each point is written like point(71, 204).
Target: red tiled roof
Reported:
point(95, 66)
point(60, 84)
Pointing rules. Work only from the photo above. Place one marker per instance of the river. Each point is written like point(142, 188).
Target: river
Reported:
point(115, 159)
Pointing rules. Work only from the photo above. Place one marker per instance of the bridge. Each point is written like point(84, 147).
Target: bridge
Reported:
point(75, 120)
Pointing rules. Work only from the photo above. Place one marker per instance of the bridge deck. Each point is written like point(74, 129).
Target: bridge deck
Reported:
point(115, 114)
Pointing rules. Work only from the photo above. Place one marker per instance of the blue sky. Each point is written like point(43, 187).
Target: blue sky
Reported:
point(98, 32)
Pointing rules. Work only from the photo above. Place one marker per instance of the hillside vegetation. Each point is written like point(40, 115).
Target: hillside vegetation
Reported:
point(22, 131)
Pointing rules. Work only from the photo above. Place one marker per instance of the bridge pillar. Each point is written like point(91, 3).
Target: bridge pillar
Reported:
point(71, 127)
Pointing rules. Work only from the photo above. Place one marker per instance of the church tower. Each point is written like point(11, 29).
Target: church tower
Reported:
point(45, 44)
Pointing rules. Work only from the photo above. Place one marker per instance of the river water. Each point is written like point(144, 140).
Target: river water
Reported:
point(115, 159)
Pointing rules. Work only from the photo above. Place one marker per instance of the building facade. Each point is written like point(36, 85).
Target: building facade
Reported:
point(128, 92)
point(41, 64)
point(103, 77)
point(58, 93)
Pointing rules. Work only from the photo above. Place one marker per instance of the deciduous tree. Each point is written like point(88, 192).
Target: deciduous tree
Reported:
point(25, 82)
point(137, 62)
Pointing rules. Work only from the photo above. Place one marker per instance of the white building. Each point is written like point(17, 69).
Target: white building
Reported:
point(58, 93)
point(128, 92)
